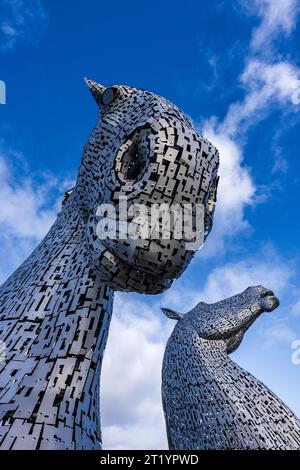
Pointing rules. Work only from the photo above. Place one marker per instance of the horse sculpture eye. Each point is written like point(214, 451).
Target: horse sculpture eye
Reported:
point(135, 165)
point(109, 95)
point(132, 157)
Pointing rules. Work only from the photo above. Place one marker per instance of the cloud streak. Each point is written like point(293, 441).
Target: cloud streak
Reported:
point(266, 85)
point(20, 20)
point(132, 413)
point(278, 17)
point(30, 208)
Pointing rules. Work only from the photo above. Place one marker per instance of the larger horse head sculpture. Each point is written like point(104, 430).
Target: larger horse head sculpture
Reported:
point(144, 150)
point(55, 310)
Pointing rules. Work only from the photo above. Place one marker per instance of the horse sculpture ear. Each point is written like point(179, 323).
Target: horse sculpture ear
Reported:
point(96, 89)
point(103, 96)
point(172, 314)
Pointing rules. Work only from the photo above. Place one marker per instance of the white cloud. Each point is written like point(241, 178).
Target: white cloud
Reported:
point(278, 332)
point(296, 309)
point(267, 269)
point(27, 211)
point(8, 30)
point(132, 416)
point(280, 162)
point(23, 213)
point(20, 19)
point(235, 277)
point(236, 190)
point(277, 17)
point(265, 84)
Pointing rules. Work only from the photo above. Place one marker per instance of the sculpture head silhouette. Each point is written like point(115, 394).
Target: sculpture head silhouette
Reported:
point(143, 151)
point(228, 319)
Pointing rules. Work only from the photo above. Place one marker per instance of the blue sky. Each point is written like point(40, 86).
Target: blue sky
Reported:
point(234, 68)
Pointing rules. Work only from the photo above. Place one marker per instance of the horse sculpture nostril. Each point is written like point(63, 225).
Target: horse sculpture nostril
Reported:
point(269, 302)
point(267, 293)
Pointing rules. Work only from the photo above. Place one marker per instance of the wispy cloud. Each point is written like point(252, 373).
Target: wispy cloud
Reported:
point(236, 190)
point(20, 20)
point(267, 268)
point(267, 83)
point(278, 17)
point(278, 332)
point(29, 207)
point(131, 381)
point(296, 309)
point(132, 413)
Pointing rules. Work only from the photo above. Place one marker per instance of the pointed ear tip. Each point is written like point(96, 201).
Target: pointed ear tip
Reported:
point(171, 313)
point(166, 311)
point(88, 80)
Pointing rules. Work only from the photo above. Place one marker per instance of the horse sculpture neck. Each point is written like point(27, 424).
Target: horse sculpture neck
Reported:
point(55, 313)
point(210, 402)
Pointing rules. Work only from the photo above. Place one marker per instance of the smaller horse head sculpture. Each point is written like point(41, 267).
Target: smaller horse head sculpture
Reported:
point(209, 401)
point(142, 154)
point(228, 319)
